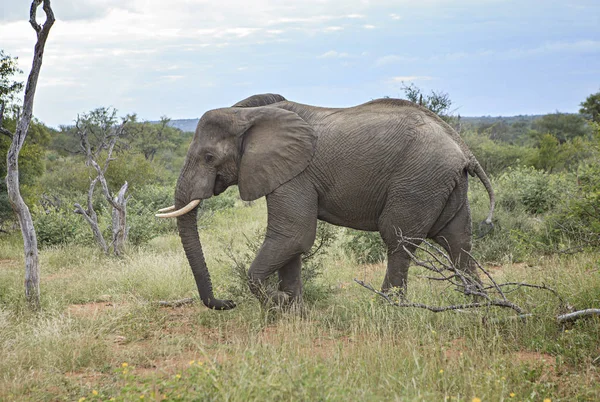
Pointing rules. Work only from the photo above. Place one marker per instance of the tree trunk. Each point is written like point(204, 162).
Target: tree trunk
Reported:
point(119, 221)
point(32, 269)
point(92, 218)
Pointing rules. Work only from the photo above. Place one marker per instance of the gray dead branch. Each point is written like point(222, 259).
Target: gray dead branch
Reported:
point(118, 201)
point(437, 261)
point(32, 269)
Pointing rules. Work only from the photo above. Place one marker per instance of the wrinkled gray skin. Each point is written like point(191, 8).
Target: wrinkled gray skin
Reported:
point(381, 166)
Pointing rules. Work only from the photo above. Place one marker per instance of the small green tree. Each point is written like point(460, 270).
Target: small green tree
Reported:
point(590, 107)
point(438, 102)
point(548, 155)
point(9, 88)
point(563, 126)
point(151, 138)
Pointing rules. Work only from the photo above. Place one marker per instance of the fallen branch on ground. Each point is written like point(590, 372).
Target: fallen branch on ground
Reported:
point(436, 260)
point(177, 303)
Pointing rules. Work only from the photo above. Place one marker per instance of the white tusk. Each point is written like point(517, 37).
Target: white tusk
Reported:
point(167, 209)
point(181, 211)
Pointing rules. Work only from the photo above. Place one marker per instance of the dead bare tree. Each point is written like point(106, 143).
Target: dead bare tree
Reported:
point(107, 136)
point(32, 268)
point(437, 261)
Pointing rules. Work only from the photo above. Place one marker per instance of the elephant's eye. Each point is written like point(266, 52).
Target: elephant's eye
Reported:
point(209, 158)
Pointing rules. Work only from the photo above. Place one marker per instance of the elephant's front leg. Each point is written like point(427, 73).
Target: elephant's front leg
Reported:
point(290, 279)
point(291, 230)
point(281, 255)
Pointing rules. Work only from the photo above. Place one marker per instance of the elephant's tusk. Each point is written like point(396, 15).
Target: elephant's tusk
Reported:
point(167, 209)
point(193, 204)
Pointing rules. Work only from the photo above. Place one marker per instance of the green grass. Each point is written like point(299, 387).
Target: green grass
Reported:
point(98, 314)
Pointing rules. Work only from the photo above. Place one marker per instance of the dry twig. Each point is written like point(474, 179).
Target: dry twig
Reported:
point(439, 262)
point(177, 303)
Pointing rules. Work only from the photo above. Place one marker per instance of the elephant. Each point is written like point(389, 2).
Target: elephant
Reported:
point(385, 165)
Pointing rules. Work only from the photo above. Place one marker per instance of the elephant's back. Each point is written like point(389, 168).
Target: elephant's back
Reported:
point(364, 153)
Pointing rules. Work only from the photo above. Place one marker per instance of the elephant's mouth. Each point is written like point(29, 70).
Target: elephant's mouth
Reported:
point(220, 185)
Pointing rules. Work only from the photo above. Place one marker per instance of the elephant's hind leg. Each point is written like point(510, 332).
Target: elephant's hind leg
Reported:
point(455, 238)
point(396, 275)
point(403, 217)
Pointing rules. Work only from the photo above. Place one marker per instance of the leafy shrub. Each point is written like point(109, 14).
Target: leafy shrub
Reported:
point(496, 157)
point(576, 222)
point(144, 203)
point(59, 227)
point(223, 201)
point(136, 170)
point(144, 226)
point(533, 190)
point(153, 196)
point(365, 247)
point(312, 265)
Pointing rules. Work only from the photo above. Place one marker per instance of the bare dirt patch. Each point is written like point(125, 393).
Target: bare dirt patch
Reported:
point(7, 263)
point(455, 349)
point(535, 358)
point(546, 362)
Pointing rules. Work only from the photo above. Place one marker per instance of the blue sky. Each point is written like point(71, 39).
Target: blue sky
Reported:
point(180, 58)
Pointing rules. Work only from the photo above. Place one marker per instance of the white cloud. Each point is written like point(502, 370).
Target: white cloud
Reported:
point(174, 49)
point(171, 78)
point(333, 54)
point(60, 82)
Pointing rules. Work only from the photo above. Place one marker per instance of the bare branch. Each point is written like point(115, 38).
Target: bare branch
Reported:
point(439, 262)
point(6, 132)
point(494, 284)
point(591, 312)
point(439, 309)
point(32, 18)
point(176, 303)
point(526, 285)
point(100, 125)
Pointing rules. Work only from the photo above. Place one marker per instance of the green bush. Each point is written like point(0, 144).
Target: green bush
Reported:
point(312, 265)
point(364, 247)
point(533, 190)
point(496, 157)
point(576, 222)
point(59, 227)
point(141, 208)
point(223, 201)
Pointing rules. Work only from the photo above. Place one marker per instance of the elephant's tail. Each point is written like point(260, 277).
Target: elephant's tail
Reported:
point(476, 169)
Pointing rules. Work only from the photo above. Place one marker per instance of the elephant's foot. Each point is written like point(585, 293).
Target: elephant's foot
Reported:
point(280, 299)
point(396, 292)
point(283, 301)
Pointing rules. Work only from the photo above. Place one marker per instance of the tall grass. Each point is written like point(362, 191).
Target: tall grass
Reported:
point(100, 336)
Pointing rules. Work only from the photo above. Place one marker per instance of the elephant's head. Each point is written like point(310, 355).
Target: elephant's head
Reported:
point(257, 148)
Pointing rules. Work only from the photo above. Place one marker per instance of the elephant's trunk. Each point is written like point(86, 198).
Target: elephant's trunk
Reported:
point(188, 231)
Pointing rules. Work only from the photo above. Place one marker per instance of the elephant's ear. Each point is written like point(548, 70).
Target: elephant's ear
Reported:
point(277, 147)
